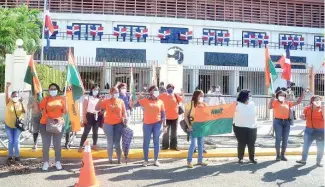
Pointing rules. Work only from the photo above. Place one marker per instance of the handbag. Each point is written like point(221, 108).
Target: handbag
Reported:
point(54, 126)
point(18, 123)
point(183, 123)
point(180, 109)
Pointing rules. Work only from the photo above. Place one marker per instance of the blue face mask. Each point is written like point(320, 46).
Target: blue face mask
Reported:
point(170, 91)
point(116, 95)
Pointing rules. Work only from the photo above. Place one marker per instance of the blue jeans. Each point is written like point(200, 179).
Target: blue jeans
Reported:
point(13, 135)
point(113, 135)
point(200, 142)
point(149, 129)
point(282, 130)
point(308, 140)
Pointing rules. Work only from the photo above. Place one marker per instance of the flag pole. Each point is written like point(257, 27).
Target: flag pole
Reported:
point(43, 29)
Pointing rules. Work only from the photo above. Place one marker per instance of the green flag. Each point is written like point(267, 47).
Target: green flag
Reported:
point(73, 78)
point(270, 72)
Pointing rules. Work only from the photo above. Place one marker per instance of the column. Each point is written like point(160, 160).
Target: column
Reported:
point(194, 79)
point(108, 74)
point(234, 82)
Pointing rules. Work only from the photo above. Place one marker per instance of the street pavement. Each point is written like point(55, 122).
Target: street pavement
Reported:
point(223, 172)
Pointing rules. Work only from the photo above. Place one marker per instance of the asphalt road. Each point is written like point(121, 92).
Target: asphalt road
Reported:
point(172, 173)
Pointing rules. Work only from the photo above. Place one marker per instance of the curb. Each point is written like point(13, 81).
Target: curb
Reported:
point(138, 153)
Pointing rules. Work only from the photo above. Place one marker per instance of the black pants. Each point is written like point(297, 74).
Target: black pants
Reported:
point(92, 123)
point(171, 126)
point(245, 136)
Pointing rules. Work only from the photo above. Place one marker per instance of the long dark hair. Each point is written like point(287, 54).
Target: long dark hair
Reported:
point(243, 96)
point(91, 90)
point(55, 85)
point(279, 92)
point(195, 97)
point(313, 98)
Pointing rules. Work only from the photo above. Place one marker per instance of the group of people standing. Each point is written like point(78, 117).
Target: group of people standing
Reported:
point(161, 111)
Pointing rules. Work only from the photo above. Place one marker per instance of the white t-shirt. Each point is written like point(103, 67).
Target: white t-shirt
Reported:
point(213, 101)
point(92, 102)
point(245, 115)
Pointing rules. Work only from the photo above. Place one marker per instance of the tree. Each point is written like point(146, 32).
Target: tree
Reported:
point(19, 23)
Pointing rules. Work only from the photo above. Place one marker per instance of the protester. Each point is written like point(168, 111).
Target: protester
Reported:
point(33, 104)
point(196, 103)
point(281, 123)
point(291, 97)
point(53, 108)
point(162, 88)
point(215, 96)
point(245, 127)
point(314, 116)
point(14, 109)
point(153, 117)
point(115, 119)
point(126, 99)
point(171, 102)
point(144, 88)
point(91, 117)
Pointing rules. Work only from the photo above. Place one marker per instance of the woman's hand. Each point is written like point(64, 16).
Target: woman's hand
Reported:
point(8, 84)
point(190, 129)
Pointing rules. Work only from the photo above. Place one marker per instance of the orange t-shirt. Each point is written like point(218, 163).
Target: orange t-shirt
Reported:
point(115, 111)
point(52, 107)
point(152, 110)
point(314, 117)
point(171, 105)
point(281, 110)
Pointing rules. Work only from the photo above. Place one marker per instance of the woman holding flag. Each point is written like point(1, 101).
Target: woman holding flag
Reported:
point(126, 99)
point(196, 103)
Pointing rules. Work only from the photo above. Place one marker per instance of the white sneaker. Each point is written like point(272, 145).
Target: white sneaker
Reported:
point(145, 164)
point(58, 165)
point(156, 163)
point(45, 166)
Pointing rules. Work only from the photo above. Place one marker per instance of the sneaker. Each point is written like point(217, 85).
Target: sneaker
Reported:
point(95, 148)
point(80, 150)
point(58, 165)
point(202, 163)
point(119, 162)
point(164, 148)
point(34, 148)
point(240, 161)
point(205, 151)
point(253, 161)
point(17, 159)
point(145, 164)
point(45, 166)
point(9, 161)
point(318, 164)
point(110, 161)
point(283, 158)
point(189, 165)
point(175, 148)
point(66, 146)
point(195, 150)
point(301, 162)
point(156, 163)
point(278, 158)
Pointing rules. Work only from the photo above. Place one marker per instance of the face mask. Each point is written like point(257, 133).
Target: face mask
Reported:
point(217, 90)
point(15, 99)
point(170, 91)
point(281, 98)
point(123, 91)
point(115, 96)
point(317, 103)
point(156, 93)
point(145, 88)
point(201, 99)
point(250, 98)
point(53, 93)
point(95, 93)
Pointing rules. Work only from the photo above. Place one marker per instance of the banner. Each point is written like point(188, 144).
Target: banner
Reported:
point(73, 111)
point(213, 120)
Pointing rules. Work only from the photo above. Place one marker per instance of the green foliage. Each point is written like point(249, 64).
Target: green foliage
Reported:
point(19, 23)
point(2, 78)
point(48, 75)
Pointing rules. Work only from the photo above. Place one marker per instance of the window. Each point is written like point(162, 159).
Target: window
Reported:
point(84, 33)
point(54, 53)
point(130, 33)
point(174, 35)
point(295, 41)
point(293, 59)
point(254, 39)
point(319, 43)
point(213, 38)
point(225, 59)
point(121, 55)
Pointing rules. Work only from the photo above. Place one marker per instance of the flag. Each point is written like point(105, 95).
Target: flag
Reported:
point(213, 120)
point(266, 39)
point(226, 37)
point(75, 91)
point(285, 64)
point(163, 34)
point(132, 87)
point(48, 23)
point(270, 72)
point(116, 32)
point(76, 29)
point(31, 78)
point(47, 37)
point(69, 30)
point(187, 36)
point(100, 31)
point(93, 30)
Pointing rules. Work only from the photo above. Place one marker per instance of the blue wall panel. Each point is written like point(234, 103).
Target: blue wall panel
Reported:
point(121, 55)
point(225, 59)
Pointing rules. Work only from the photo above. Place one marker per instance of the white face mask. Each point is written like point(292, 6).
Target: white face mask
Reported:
point(95, 92)
point(53, 93)
point(123, 91)
point(145, 88)
point(201, 99)
point(156, 93)
point(281, 98)
point(15, 99)
point(250, 99)
point(217, 90)
point(317, 103)
point(115, 96)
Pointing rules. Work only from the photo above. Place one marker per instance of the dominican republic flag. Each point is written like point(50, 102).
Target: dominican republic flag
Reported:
point(187, 36)
point(119, 31)
point(208, 36)
point(226, 37)
point(69, 30)
point(252, 38)
point(220, 37)
point(49, 24)
point(100, 31)
point(302, 41)
point(93, 30)
point(285, 64)
point(318, 42)
point(76, 29)
point(266, 39)
point(56, 29)
point(296, 41)
point(163, 34)
point(290, 40)
point(141, 33)
point(260, 38)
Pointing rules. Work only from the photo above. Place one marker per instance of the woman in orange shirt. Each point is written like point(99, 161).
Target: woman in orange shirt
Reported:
point(52, 107)
point(153, 118)
point(281, 122)
point(314, 116)
point(115, 119)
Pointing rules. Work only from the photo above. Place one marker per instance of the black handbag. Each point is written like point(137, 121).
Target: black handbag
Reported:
point(183, 123)
point(180, 109)
point(19, 124)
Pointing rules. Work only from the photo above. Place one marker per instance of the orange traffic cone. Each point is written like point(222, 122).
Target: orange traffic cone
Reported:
point(87, 176)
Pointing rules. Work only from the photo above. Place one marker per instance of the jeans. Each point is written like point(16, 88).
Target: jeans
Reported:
point(46, 140)
point(92, 123)
point(308, 140)
point(200, 142)
point(149, 129)
point(172, 128)
point(245, 136)
point(113, 135)
point(282, 130)
point(13, 135)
